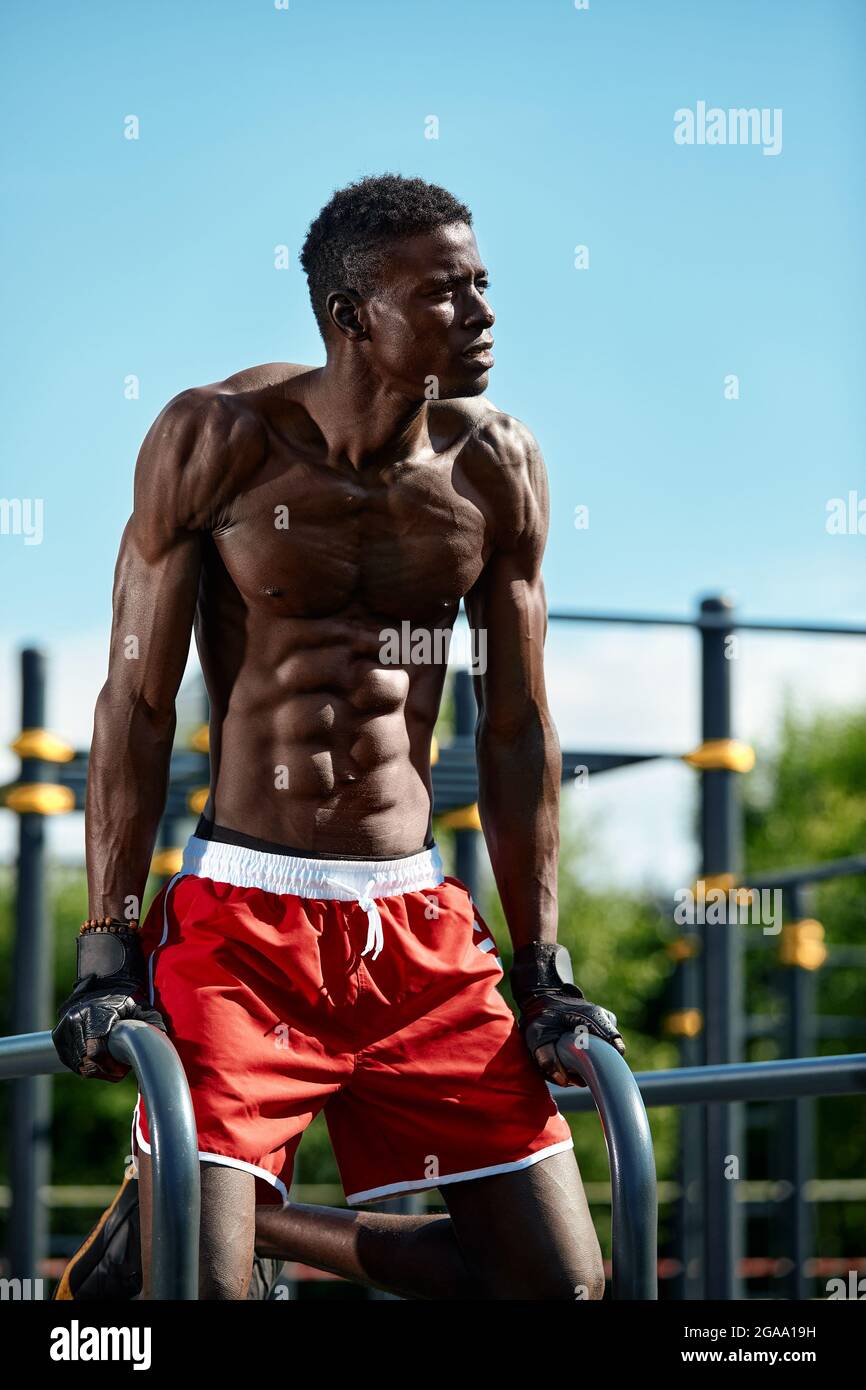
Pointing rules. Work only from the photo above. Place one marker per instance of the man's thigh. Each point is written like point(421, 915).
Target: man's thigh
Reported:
point(227, 1233)
point(528, 1234)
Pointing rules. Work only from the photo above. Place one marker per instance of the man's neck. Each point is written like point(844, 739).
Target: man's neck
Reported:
point(362, 419)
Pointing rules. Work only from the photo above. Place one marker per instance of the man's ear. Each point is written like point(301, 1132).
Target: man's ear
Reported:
point(346, 313)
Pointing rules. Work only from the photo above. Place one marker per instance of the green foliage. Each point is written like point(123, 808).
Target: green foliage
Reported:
point(806, 804)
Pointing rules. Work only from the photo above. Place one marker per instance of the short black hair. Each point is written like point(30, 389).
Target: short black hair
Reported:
point(345, 244)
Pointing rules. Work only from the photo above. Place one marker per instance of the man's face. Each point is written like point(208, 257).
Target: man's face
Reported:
point(429, 320)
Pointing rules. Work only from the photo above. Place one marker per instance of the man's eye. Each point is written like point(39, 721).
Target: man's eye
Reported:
point(482, 285)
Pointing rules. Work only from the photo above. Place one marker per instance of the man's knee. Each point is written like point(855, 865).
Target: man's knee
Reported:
point(591, 1285)
point(562, 1282)
point(222, 1281)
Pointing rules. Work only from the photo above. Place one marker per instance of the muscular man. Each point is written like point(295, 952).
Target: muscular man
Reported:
point(311, 953)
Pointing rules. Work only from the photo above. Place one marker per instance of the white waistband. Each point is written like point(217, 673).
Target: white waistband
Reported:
point(346, 880)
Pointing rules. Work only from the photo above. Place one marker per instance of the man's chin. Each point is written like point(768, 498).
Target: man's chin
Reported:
point(474, 385)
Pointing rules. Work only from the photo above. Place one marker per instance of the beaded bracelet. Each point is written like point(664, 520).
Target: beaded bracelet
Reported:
point(107, 924)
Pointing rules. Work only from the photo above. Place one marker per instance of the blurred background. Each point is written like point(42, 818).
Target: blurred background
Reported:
point(681, 327)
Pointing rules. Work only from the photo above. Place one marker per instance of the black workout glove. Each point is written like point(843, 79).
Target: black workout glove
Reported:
point(111, 971)
point(551, 1006)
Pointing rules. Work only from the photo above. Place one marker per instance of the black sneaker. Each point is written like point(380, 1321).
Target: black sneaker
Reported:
point(107, 1267)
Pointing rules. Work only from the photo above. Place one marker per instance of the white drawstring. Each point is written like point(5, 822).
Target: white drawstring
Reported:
point(375, 935)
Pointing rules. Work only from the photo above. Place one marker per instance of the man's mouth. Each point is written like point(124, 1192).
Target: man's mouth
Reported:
point(479, 353)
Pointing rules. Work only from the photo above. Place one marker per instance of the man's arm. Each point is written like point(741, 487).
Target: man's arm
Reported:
point(519, 760)
point(518, 753)
point(155, 593)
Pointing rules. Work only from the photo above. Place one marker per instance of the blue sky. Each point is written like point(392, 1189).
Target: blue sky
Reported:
point(155, 257)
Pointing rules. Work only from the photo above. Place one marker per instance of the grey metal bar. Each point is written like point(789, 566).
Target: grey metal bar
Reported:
point(634, 1206)
point(466, 859)
point(28, 1054)
point(790, 1077)
point(687, 1234)
point(174, 1150)
point(174, 1147)
point(721, 959)
point(794, 1141)
point(708, 621)
point(812, 873)
point(30, 1159)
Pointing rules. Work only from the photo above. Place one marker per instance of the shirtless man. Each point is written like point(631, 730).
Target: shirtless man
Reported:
point(311, 953)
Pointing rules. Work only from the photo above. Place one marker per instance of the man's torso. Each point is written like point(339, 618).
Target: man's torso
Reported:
point(316, 740)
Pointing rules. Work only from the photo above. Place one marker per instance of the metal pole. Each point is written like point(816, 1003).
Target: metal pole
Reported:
point(792, 1076)
point(176, 1179)
point(688, 1234)
point(721, 835)
point(634, 1210)
point(796, 1129)
point(176, 1212)
point(466, 864)
point(30, 1165)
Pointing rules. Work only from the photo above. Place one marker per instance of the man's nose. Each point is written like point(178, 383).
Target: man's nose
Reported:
point(480, 312)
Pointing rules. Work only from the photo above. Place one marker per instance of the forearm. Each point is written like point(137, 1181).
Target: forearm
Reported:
point(518, 801)
point(127, 785)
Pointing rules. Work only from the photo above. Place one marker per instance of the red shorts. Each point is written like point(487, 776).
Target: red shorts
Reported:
point(289, 985)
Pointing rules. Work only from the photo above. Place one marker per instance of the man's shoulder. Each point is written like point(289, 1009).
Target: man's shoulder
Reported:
point(204, 442)
point(492, 435)
point(502, 460)
point(243, 396)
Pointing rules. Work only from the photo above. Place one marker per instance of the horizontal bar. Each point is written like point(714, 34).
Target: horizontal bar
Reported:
point(28, 1054)
point(709, 621)
point(811, 873)
point(782, 1080)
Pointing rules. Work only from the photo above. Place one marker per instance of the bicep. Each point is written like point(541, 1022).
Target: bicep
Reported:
point(153, 609)
point(507, 606)
point(156, 578)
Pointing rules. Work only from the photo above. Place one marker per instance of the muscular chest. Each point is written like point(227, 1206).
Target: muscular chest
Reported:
point(305, 542)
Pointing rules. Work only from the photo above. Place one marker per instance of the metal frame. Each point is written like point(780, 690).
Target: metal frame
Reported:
point(634, 1218)
point(612, 1088)
point(619, 1095)
point(790, 1078)
point(174, 1146)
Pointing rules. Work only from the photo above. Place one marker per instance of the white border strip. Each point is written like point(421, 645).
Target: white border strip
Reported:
point(162, 940)
point(220, 1158)
point(341, 880)
point(391, 1189)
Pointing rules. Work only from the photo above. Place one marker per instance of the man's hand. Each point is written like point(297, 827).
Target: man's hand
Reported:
point(111, 972)
point(86, 1018)
point(551, 1007)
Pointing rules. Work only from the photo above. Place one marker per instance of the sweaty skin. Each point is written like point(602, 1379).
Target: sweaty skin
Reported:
point(296, 565)
point(291, 515)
